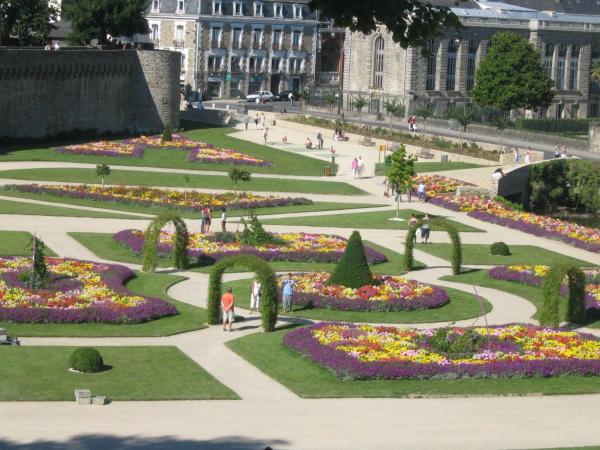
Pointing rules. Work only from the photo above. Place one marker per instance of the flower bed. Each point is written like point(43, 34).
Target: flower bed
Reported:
point(369, 352)
point(390, 294)
point(439, 184)
point(198, 150)
point(78, 291)
point(304, 247)
point(146, 196)
point(534, 276)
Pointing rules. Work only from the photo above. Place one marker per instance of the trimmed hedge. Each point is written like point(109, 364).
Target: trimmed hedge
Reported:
point(499, 249)
point(86, 359)
point(554, 125)
point(353, 269)
point(151, 237)
point(456, 255)
point(264, 273)
point(549, 316)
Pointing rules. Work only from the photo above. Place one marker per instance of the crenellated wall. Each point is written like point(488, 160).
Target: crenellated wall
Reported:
point(48, 93)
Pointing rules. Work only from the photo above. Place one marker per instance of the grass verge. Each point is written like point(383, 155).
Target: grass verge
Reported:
point(31, 209)
point(16, 243)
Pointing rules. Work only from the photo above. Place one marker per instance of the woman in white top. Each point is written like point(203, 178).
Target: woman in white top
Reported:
point(255, 292)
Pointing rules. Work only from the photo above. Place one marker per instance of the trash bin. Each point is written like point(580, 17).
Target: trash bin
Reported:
point(326, 171)
point(444, 158)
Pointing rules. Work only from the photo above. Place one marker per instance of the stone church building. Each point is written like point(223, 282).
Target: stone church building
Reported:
point(566, 32)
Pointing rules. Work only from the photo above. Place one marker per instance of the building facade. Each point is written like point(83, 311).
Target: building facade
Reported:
point(569, 43)
point(231, 48)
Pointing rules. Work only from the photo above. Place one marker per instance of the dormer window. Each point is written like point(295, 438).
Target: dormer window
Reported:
point(278, 10)
point(180, 6)
point(217, 10)
point(297, 11)
point(155, 5)
point(258, 8)
point(237, 9)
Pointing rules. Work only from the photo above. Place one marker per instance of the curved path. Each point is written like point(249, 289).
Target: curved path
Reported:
point(269, 413)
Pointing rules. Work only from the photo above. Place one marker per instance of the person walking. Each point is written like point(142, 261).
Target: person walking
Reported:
point(288, 292)
point(206, 220)
point(425, 229)
point(354, 167)
point(256, 120)
point(517, 156)
point(528, 156)
point(421, 191)
point(412, 222)
point(246, 120)
point(266, 134)
point(227, 306)
point(319, 139)
point(291, 99)
point(361, 167)
point(255, 292)
point(564, 152)
point(224, 220)
point(263, 121)
point(556, 151)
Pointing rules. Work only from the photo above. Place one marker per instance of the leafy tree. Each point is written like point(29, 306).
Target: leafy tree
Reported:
point(239, 176)
point(501, 124)
point(94, 19)
point(167, 134)
point(359, 103)
point(353, 269)
point(102, 170)
point(39, 269)
point(394, 109)
point(425, 112)
point(28, 20)
point(411, 23)
point(596, 71)
point(401, 171)
point(549, 186)
point(464, 116)
point(330, 99)
point(511, 76)
point(584, 184)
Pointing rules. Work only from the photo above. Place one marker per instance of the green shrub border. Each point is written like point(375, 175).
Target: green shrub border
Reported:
point(264, 273)
point(151, 236)
point(455, 259)
point(551, 295)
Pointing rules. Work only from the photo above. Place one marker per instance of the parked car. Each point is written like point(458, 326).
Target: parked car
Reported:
point(284, 95)
point(263, 96)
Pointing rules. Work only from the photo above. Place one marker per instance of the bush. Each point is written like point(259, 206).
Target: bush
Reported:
point(500, 249)
point(452, 343)
point(167, 134)
point(254, 233)
point(554, 125)
point(223, 237)
point(508, 203)
point(551, 295)
point(86, 359)
point(352, 270)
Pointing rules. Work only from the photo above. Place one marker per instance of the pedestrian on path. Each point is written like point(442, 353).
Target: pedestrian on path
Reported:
point(206, 220)
point(255, 292)
point(288, 292)
point(564, 152)
point(256, 120)
point(354, 167)
point(227, 305)
point(425, 229)
point(528, 156)
point(556, 151)
point(319, 139)
point(246, 120)
point(517, 156)
point(361, 166)
point(284, 139)
point(291, 99)
point(421, 191)
point(412, 222)
point(224, 220)
point(263, 121)
point(266, 134)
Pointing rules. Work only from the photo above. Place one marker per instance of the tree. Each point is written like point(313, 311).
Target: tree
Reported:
point(464, 116)
point(167, 134)
point(401, 171)
point(394, 109)
point(411, 23)
point(330, 99)
point(39, 270)
point(353, 269)
point(239, 176)
point(27, 20)
point(596, 71)
point(511, 76)
point(584, 183)
point(425, 112)
point(102, 170)
point(359, 103)
point(94, 19)
point(501, 124)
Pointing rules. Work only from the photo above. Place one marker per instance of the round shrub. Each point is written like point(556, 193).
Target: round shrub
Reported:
point(86, 359)
point(500, 249)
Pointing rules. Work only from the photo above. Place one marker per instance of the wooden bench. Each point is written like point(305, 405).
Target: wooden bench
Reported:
point(425, 153)
point(366, 141)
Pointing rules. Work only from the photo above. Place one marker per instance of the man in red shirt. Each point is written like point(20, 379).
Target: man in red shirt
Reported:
point(227, 303)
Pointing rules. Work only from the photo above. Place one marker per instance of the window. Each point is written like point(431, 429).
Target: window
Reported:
point(275, 64)
point(297, 11)
point(236, 38)
point(179, 36)
point(277, 39)
point(471, 56)
point(236, 64)
point(296, 39)
point(574, 68)
point(594, 110)
point(594, 85)
point(294, 65)
point(560, 68)
point(257, 38)
point(378, 62)
point(215, 37)
point(258, 8)
point(238, 9)
point(155, 5)
point(548, 55)
point(559, 111)
point(451, 66)
point(182, 63)
point(278, 10)
point(214, 63)
point(217, 7)
point(431, 67)
point(180, 6)
point(154, 33)
point(255, 63)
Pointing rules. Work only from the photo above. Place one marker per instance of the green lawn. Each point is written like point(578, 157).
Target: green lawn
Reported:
point(433, 166)
point(105, 247)
point(287, 163)
point(136, 373)
point(165, 179)
point(125, 207)
point(462, 306)
point(267, 352)
point(189, 318)
point(530, 293)
point(368, 219)
point(16, 243)
point(16, 207)
point(479, 254)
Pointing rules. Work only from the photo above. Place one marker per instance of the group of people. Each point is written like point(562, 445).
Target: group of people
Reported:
point(518, 155)
point(228, 300)
point(560, 152)
point(358, 167)
point(338, 135)
point(260, 120)
point(421, 191)
point(308, 144)
point(412, 124)
point(424, 230)
point(52, 46)
point(206, 220)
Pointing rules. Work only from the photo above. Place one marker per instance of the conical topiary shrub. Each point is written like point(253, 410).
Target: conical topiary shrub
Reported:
point(352, 270)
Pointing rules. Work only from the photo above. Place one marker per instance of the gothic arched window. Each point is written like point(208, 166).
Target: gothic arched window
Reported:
point(378, 62)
